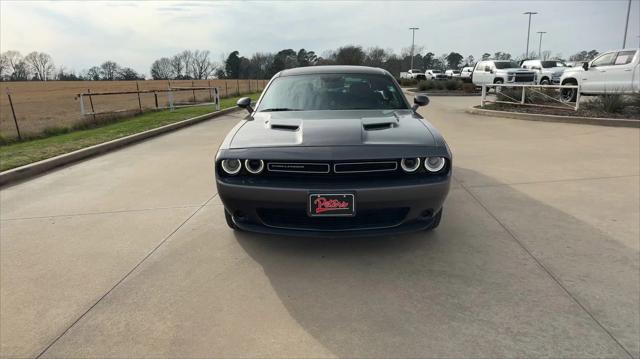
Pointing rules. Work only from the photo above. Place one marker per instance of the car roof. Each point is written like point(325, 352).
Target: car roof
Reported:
point(332, 69)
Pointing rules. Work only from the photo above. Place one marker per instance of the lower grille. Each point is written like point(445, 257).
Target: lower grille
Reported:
point(357, 167)
point(364, 219)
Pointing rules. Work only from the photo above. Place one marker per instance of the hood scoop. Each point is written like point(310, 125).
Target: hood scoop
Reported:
point(283, 125)
point(375, 124)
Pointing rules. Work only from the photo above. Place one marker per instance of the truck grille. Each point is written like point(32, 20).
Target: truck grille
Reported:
point(524, 77)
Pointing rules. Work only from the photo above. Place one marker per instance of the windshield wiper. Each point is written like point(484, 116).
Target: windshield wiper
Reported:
point(276, 109)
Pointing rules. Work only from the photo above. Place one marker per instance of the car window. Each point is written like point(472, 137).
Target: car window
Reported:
point(332, 92)
point(506, 65)
point(604, 60)
point(624, 57)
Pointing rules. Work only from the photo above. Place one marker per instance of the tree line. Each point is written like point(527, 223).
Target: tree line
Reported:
point(197, 64)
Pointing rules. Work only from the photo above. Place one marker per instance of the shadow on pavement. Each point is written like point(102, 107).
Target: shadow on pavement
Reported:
point(467, 289)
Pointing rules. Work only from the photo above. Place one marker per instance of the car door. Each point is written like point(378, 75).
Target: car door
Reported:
point(478, 74)
point(594, 80)
point(620, 73)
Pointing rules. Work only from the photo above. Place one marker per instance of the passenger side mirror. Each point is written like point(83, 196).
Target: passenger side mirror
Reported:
point(585, 66)
point(245, 102)
point(420, 100)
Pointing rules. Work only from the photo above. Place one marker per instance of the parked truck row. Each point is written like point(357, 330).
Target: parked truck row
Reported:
point(615, 71)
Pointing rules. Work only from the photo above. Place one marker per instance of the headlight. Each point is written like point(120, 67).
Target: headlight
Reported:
point(410, 164)
point(254, 166)
point(434, 164)
point(232, 166)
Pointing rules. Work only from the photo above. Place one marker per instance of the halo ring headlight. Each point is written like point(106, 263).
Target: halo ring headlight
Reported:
point(410, 164)
point(252, 167)
point(231, 166)
point(434, 164)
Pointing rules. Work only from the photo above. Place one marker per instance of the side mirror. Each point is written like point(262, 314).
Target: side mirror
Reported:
point(585, 66)
point(420, 100)
point(245, 102)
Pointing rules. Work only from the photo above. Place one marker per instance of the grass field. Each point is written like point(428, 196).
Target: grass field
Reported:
point(22, 153)
point(45, 105)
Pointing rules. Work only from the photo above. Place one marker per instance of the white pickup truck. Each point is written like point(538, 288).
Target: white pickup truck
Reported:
point(413, 74)
point(549, 71)
point(501, 72)
point(616, 71)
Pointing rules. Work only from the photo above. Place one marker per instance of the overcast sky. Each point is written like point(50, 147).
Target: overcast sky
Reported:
point(81, 34)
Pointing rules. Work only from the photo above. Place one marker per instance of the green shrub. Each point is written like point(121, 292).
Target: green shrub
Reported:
point(453, 85)
point(610, 103)
point(407, 82)
point(53, 131)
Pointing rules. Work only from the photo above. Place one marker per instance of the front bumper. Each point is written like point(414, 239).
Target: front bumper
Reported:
point(380, 209)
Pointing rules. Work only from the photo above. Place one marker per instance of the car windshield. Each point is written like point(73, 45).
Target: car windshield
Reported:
point(506, 65)
point(416, 70)
point(436, 71)
point(332, 92)
point(550, 64)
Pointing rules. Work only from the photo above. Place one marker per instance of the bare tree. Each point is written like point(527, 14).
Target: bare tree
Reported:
point(546, 55)
point(163, 69)
point(376, 57)
point(201, 66)
point(109, 70)
point(12, 59)
point(177, 66)
point(187, 59)
point(41, 64)
point(4, 67)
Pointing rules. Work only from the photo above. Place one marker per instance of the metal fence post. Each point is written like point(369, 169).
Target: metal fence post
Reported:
point(217, 99)
point(155, 94)
point(210, 94)
point(170, 96)
point(577, 97)
point(82, 112)
point(484, 95)
point(13, 112)
point(523, 94)
point(193, 84)
point(93, 112)
point(138, 90)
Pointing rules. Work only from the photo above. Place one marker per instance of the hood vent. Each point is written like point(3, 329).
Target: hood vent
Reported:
point(283, 127)
point(378, 126)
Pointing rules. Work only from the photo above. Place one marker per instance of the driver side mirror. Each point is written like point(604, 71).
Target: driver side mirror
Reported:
point(245, 102)
point(420, 100)
point(585, 66)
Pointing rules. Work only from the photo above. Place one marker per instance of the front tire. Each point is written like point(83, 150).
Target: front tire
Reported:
point(435, 222)
point(545, 82)
point(569, 95)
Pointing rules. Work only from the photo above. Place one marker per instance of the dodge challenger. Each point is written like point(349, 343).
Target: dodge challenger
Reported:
point(333, 151)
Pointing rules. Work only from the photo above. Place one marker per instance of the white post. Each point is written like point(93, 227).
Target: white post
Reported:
point(578, 98)
point(523, 92)
point(82, 105)
point(484, 95)
point(170, 97)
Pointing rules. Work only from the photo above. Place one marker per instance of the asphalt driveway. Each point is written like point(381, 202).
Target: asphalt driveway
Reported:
point(128, 255)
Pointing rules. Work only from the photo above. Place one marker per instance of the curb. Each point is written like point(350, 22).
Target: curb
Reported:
point(37, 168)
point(598, 121)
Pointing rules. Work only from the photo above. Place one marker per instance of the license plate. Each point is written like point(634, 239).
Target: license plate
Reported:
point(331, 204)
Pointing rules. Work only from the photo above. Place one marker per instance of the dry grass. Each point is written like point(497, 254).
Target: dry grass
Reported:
point(41, 106)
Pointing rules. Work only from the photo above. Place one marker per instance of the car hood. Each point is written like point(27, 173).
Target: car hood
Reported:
point(333, 128)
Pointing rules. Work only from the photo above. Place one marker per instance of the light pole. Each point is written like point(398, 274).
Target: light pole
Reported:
point(626, 26)
point(528, 30)
point(413, 38)
point(540, 45)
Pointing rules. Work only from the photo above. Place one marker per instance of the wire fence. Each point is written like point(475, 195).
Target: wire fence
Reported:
point(31, 108)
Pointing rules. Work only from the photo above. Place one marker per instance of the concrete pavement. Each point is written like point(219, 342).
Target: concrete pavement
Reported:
point(128, 255)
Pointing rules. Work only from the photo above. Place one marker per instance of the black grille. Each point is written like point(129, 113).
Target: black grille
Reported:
point(296, 167)
point(357, 167)
point(364, 219)
point(524, 78)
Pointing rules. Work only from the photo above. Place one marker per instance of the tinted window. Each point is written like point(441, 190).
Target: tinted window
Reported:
point(332, 92)
point(506, 65)
point(549, 64)
point(416, 70)
point(604, 60)
point(624, 57)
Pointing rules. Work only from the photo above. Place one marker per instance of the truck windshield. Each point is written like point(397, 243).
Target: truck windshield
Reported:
point(550, 64)
point(415, 70)
point(332, 92)
point(506, 65)
point(436, 71)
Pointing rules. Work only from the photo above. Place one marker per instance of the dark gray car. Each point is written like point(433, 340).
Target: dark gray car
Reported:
point(333, 150)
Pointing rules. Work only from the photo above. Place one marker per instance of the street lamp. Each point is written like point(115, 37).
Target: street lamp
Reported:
point(540, 45)
point(528, 30)
point(413, 38)
point(626, 26)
